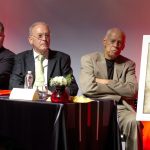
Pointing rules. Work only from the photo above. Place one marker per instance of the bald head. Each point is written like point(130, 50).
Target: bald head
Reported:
point(118, 31)
point(39, 37)
point(114, 42)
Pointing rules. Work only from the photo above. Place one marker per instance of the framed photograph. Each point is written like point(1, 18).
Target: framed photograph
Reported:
point(143, 105)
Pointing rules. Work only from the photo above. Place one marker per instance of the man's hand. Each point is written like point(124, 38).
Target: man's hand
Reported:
point(49, 92)
point(102, 81)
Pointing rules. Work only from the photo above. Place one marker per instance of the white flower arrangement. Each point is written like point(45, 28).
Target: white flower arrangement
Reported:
point(61, 80)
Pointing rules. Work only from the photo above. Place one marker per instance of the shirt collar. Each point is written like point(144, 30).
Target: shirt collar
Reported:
point(37, 54)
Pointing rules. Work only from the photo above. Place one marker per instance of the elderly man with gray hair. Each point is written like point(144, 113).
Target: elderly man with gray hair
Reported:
point(109, 75)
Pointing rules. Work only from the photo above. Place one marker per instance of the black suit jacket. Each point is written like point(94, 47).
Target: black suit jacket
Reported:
point(58, 65)
point(6, 65)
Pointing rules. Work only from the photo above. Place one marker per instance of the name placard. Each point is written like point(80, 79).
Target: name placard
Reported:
point(24, 94)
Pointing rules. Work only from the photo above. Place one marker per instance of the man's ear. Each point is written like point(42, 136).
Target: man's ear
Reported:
point(104, 41)
point(30, 39)
point(123, 46)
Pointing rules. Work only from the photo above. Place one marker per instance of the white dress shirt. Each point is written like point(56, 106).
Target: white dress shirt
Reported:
point(45, 65)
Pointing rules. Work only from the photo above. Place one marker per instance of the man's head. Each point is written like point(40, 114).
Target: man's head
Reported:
point(114, 43)
point(39, 37)
point(2, 36)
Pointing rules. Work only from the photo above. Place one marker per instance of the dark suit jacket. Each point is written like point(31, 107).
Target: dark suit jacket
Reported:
point(58, 65)
point(6, 64)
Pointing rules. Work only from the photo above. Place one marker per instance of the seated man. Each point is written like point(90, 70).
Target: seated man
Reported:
point(54, 63)
point(6, 61)
point(109, 75)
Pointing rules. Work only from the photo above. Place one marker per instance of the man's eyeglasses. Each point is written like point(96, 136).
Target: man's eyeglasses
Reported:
point(42, 36)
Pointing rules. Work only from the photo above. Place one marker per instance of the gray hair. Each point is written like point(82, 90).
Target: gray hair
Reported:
point(35, 24)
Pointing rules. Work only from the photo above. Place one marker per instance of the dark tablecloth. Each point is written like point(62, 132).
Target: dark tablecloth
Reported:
point(47, 126)
point(92, 126)
point(31, 125)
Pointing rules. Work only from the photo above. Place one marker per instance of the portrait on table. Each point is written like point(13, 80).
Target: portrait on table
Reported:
point(143, 105)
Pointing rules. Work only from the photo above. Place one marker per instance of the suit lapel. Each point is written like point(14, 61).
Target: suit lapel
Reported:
point(118, 68)
point(101, 64)
point(102, 67)
point(51, 64)
point(30, 62)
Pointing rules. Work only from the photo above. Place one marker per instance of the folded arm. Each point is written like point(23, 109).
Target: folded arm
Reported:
point(97, 87)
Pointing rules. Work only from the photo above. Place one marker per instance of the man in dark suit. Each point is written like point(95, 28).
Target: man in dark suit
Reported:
point(6, 61)
point(54, 63)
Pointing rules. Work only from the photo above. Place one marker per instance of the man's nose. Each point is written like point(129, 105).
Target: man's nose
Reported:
point(44, 38)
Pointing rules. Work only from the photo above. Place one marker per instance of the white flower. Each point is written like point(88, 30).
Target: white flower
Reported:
point(58, 81)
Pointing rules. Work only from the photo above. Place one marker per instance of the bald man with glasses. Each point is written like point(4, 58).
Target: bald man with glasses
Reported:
point(53, 63)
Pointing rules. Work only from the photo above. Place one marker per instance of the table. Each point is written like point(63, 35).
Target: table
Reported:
point(92, 126)
point(41, 125)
